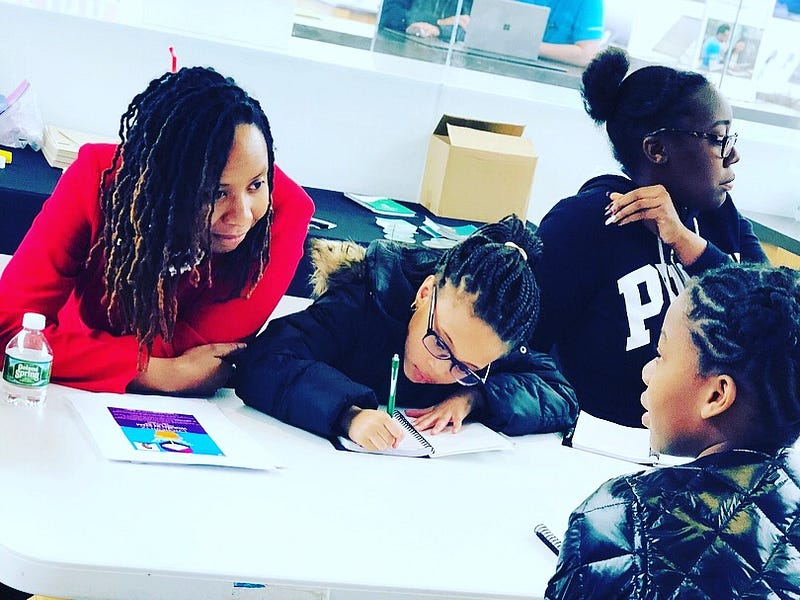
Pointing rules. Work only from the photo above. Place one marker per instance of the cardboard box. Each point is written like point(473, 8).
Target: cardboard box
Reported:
point(478, 170)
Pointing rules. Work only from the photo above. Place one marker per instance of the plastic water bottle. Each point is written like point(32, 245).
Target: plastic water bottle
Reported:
point(26, 369)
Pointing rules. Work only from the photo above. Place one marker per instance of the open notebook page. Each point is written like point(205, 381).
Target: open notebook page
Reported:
point(618, 441)
point(473, 437)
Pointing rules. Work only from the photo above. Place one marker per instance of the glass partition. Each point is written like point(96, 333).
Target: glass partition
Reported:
point(744, 46)
point(747, 47)
point(341, 53)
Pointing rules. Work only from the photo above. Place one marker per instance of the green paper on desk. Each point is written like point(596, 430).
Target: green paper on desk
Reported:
point(456, 233)
point(380, 205)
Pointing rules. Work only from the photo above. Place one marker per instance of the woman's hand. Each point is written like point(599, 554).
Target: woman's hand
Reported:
point(652, 206)
point(422, 29)
point(199, 371)
point(463, 21)
point(453, 410)
point(374, 429)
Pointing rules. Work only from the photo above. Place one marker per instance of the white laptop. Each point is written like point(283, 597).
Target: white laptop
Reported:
point(506, 28)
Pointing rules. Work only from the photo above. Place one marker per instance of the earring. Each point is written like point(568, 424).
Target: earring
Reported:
point(414, 305)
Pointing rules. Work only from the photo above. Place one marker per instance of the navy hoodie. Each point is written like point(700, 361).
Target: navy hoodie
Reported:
point(606, 289)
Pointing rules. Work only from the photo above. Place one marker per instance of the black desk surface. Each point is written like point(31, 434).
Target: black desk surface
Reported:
point(29, 180)
point(356, 223)
point(24, 185)
point(28, 173)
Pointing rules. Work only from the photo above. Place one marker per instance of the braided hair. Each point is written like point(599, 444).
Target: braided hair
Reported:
point(496, 264)
point(158, 198)
point(745, 321)
point(632, 107)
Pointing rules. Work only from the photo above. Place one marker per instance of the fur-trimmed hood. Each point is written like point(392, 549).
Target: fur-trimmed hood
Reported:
point(335, 262)
point(393, 272)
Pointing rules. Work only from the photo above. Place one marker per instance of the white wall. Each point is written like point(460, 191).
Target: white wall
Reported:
point(346, 119)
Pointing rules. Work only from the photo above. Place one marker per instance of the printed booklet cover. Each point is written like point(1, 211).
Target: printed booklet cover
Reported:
point(164, 429)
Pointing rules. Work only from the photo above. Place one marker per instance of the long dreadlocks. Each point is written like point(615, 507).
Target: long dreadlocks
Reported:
point(159, 198)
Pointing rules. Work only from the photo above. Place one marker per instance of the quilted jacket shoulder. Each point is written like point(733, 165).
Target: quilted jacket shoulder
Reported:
point(723, 526)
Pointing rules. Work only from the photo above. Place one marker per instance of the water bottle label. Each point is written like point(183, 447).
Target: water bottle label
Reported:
point(26, 372)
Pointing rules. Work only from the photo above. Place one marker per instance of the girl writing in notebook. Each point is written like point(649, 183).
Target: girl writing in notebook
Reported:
point(457, 321)
point(156, 258)
point(725, 388)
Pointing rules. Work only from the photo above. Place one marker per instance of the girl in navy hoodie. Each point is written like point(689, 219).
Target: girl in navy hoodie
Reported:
point(616, 254)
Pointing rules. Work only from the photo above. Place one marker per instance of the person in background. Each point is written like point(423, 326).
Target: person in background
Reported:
point(616, 254)
point(714, 48)
point(739, 62)
point(724, 389)
point(457, 320)
point(155, 259)
point(573, 34)
point(787, 9)
point(426, 18)
point(574, 30)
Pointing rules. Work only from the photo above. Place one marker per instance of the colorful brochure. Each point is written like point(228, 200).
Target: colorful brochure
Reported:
point(163, 429)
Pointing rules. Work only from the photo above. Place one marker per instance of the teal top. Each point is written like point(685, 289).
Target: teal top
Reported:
point(572, 21)
point(712, 51)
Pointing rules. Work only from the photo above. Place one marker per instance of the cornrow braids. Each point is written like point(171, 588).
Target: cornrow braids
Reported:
point(646, 100)
point(158, 197)
point(745, 321)
point(496, 264)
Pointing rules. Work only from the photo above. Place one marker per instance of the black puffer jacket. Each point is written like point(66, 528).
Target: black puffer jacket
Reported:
point(307, 368)
point(721, 527)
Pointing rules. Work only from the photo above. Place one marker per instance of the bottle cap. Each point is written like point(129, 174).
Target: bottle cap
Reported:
point(33, 321)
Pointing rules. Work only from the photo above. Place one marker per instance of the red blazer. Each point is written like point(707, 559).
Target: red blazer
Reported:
point(49, 274)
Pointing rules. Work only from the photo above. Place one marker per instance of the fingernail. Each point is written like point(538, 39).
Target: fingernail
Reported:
point(611, 219)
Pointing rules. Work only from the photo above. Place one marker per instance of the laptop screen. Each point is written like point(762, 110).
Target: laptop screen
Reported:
point(507, 28)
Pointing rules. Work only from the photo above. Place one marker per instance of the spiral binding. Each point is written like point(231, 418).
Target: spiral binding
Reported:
point(548, 537)
point(406, 424)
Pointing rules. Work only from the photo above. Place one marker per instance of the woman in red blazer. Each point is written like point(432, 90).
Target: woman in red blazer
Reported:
point(155, 259)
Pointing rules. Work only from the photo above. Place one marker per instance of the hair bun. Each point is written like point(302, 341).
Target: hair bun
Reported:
point(601, 82)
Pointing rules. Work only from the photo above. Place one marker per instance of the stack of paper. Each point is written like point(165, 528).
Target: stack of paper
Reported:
point(456, 234)
point(397, 230)
point(61, 145)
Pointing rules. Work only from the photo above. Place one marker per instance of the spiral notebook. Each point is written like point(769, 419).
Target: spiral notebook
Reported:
point(473, 437)
point(617, 441)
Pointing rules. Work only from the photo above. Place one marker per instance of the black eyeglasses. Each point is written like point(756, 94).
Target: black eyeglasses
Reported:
point(725, 142)
point(438, 349)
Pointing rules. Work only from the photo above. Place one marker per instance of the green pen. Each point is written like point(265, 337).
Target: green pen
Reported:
point(393, 384)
